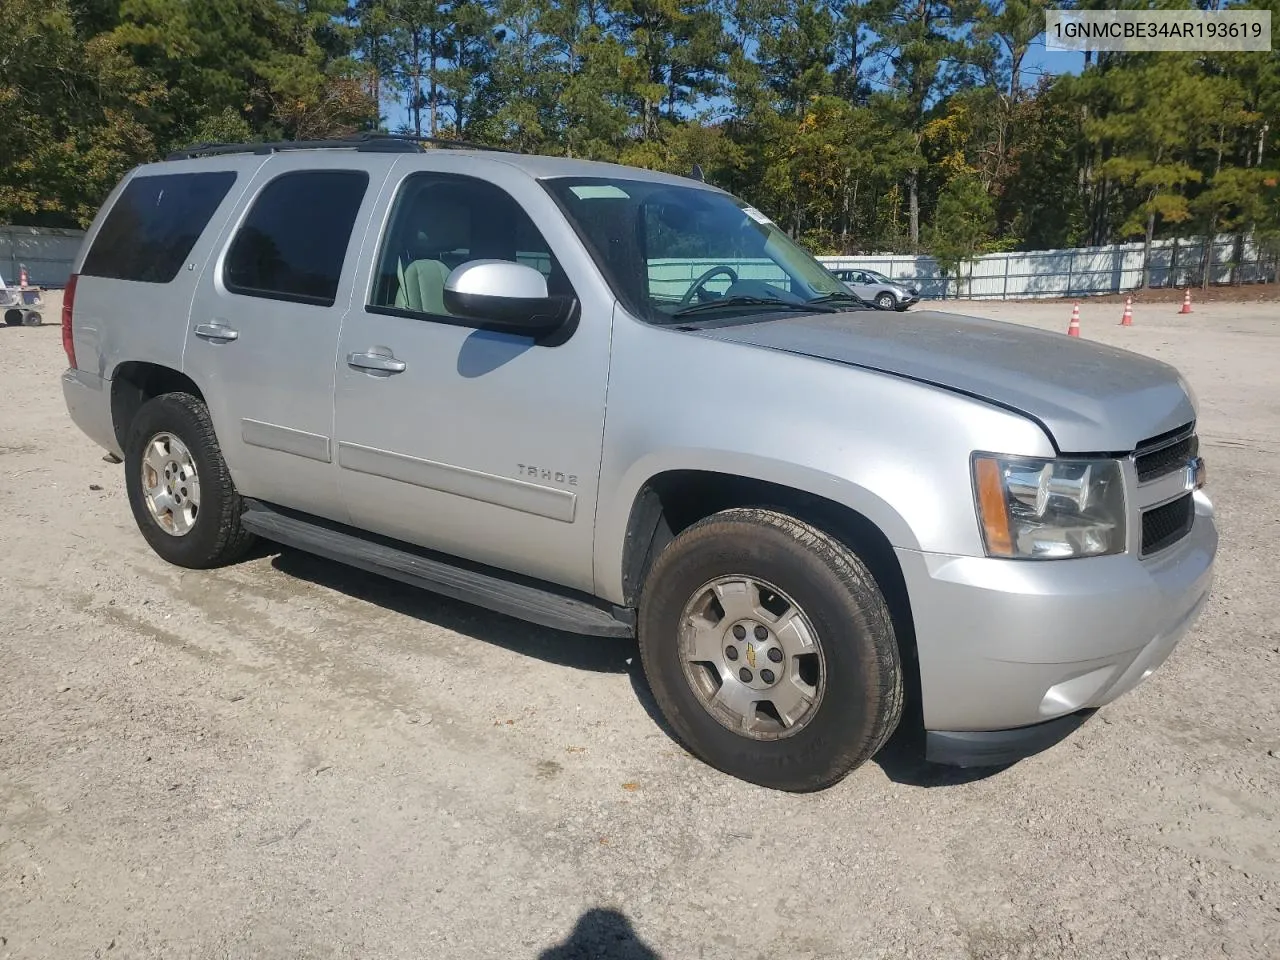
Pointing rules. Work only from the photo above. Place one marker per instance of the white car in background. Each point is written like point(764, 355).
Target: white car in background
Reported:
point(878, 289)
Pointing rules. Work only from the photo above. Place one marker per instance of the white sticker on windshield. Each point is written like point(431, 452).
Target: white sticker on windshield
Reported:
point(599, 191)
point(756, 215)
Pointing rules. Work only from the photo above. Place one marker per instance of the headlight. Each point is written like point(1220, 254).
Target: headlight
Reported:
point(1049, 509)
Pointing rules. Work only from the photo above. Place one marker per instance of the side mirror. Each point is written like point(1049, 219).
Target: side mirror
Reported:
point(506, 296)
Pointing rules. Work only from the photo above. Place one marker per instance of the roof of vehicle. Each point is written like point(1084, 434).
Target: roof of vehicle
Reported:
point(546, 168)
point(535, 165)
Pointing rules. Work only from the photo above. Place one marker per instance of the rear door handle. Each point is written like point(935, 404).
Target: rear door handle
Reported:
point(215, 331)
point(377, 362)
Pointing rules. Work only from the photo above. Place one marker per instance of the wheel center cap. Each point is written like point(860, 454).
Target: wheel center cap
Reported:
point(753, 655)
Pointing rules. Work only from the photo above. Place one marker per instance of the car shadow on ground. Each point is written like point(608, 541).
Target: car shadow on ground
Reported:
point(595, 654)
point(901, 759)
point(601, 934)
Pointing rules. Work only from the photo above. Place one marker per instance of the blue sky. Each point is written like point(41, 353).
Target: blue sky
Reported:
point(1042, 61)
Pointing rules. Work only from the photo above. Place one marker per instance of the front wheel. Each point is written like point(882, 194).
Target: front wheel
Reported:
point(886, 301)
point(770, 650)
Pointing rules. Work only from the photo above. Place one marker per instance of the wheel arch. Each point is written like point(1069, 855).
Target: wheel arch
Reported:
point(134, 382)
point(669, 502)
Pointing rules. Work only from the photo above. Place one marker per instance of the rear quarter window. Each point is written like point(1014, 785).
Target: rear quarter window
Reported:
point(150, 231)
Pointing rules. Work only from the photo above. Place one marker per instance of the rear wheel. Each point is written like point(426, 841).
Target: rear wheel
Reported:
point(179, 487)
point(770, 650)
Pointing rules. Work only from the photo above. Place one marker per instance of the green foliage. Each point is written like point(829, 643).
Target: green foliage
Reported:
point(962, 223)
point(868, 126)
point(75, 115)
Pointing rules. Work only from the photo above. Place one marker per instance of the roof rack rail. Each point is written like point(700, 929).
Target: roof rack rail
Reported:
point(360, 142)
point(391, 141)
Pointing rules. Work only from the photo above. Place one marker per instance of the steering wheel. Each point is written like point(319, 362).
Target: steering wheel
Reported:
point(698, 284)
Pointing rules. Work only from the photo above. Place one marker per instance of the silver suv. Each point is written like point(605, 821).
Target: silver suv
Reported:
point(620, 403)
point(878, 289)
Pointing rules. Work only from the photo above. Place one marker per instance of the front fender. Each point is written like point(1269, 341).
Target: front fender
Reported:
point(893, 450)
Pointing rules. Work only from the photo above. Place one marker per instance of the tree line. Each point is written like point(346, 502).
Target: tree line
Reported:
point(859, 125)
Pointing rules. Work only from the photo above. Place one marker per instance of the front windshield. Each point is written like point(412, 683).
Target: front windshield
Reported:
point(672, 253)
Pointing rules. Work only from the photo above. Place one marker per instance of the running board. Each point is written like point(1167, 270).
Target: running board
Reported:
point(519, 597)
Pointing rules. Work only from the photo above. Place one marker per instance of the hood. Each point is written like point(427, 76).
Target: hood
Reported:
point(1091, 398)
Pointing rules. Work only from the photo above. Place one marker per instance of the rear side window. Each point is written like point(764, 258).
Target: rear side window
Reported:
point(294, 239)
point(155, 223)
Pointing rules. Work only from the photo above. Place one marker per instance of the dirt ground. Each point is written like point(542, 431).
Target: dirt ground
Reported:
point(290, 759)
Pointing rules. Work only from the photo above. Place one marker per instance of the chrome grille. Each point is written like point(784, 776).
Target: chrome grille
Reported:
point(1164, 454)
point(1164, 493)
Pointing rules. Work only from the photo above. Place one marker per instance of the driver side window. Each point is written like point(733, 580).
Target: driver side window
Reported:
point(441, 221)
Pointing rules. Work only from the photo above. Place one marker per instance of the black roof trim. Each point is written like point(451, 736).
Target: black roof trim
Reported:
point(360, 142)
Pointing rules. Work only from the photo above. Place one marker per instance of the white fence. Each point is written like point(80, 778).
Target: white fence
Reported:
point(46, 252)
point(1081, 271)
point(1078, 272)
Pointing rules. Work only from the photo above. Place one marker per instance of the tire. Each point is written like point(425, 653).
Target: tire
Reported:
point(860, 693)
point(214, 537)
point(886, 301)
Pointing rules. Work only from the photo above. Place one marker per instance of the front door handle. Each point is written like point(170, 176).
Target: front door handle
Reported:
point(215, 331)
point(377, 362)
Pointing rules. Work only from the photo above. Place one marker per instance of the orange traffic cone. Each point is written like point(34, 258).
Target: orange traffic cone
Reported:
point(1186, 302)
point(1073, 328)
point(22, 276)
point(1127, 319)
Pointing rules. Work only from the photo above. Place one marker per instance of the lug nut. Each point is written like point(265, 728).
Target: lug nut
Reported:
point(740, 632)
point(775, 654)
point(761, 633)
point(766, 675)
point(744, 675)
point(731, 653)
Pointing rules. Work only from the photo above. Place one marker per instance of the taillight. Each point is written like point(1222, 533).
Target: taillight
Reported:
point(68, 302)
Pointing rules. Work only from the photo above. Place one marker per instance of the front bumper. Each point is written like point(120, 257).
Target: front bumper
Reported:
point(999, 748)
point(1008, 644)
point(88, 399)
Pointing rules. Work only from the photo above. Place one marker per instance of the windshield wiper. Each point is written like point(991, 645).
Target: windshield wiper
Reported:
point(841, 297)
point(744, 301)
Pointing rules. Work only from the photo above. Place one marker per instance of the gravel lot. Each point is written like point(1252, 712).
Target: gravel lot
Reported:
point(290, 759)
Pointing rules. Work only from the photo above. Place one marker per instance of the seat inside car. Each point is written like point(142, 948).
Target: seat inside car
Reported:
point(436, 238)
